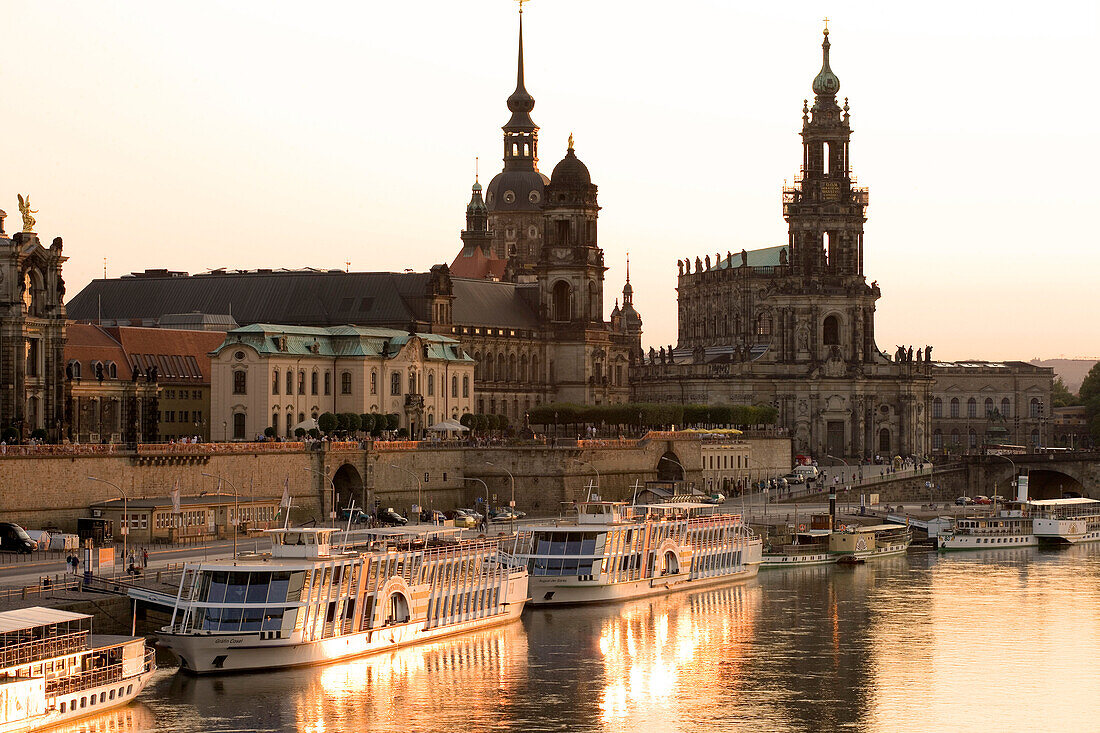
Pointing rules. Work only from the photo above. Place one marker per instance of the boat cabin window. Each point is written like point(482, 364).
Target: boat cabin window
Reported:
point(567, 543)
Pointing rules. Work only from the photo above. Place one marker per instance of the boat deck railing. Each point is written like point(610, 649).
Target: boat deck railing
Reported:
point(14, 655)
point(84, 680)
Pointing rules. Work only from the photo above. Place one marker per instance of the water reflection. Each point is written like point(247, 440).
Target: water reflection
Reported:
point(135, 718)
point(1001, 640)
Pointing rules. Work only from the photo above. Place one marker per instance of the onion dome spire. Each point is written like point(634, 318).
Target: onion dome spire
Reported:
point(520, 102)
point(826, 84)
point(628, 289)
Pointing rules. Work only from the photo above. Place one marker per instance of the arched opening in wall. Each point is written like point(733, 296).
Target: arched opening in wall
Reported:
point(1050, 484)
point(884, 441)
point(672, 563)
point(593, 304)
point(238, 426)
point(830, 331)
point(669, 468)
point(825, 158)
point(349, 485)
point(560, 301)
point(397, 609)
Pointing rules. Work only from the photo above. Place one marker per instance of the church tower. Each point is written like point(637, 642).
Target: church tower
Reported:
point(629, 318)
point(824, 210)
point(571, 269)
point(515, 195)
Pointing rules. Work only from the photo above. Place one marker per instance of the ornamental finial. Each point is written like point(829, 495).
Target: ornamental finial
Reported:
point(570, 141)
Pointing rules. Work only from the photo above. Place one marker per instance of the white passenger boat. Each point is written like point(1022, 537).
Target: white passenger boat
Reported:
point(53, 670)
point(308, 603)
point(613, 551)
point(806, 547)
point(1026, 524)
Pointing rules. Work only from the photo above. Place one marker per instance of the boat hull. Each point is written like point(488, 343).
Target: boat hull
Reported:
point(126, 690)
point(565, 591)
point(219, 653)
point(797, 561)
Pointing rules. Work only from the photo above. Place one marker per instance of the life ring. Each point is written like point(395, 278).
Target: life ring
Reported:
point(802, 528)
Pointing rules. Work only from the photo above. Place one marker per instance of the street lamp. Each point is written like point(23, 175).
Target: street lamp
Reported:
point(586, 463)
point(332, 486)
point(419, 488)
point(847, 485)
point(1011, 463)
point(236, 514)
point(124, 526)
point(464, 478)
point(512, 480)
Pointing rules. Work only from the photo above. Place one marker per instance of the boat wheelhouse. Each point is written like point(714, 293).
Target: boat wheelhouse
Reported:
point(613, 551)
point(855, 543)
point(308, 603)
point(53, 669)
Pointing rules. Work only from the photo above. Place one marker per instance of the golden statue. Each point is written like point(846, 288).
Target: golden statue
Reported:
point(26, 210)
point(570, 141)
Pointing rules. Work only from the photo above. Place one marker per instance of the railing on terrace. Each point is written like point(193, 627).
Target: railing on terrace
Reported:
point(210, 448)
point(32, 651)
point(84, 680)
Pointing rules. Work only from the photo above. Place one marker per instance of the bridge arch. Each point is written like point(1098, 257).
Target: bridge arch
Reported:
point(348, 484)
point(1050, 483)
point(669, 468)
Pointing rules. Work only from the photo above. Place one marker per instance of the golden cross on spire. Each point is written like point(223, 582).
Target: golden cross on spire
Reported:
point(475, 168)
point(826, 19)
point(521, 2)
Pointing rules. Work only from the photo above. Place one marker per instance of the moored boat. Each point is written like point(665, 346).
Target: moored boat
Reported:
point(613, 551)
point(54, 670)
point(309, 603)
point(806, 547)
point(870, 542)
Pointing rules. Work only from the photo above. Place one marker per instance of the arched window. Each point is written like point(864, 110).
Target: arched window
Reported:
point(560, 297)
point(764, 324)
point(536, 374)
point(412, 381)
point(1034, 438)
point(989, 407)
point(937, 441)
point(523, 374)
point(313, 382)
point(972, 440)
point(830, 331)
point(511, 368)
point(487, 373)
point(502, 367)
point(454, 386)
point(290, 424)
point(275, 422)
point(238, 426)
point(275, 382)
point(972, 408)
point(289, 382)
point(76, 368)
point(113, 370)
point(1033, 407)
point(345, 383)
point(955, 437)
point(1006, 408)
point(884, 440)
point(465, 385)
point(301, 382)
point(240, 382)
point(374, 381)
point(593, 302)
point(937, 407)
point(395, 383)
point(301, 417)
point(954, 407)
point(431, 385)
point(478, 366)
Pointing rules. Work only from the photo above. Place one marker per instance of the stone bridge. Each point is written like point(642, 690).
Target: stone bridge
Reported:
point(1050, 475)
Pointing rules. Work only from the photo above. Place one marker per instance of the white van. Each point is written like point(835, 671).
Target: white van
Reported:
point(808, 473)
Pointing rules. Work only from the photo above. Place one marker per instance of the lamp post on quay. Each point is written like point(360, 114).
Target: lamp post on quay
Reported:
point(124, 526)
point(512, 503)
point(332, 487)
point(419, 489)
point(486, 520)
point(236, 514)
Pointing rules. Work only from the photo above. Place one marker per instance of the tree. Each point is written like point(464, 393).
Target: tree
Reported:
point(1090, 397)
point(379, 423)
point(341, 422)
point(352, 422)
point(10, 435)
point(314, 433)
point(366, 422)
point(468, 420)
point(269, 432)
point(299, 433)
point(39, 434)
point(392, 421)
point(326, 422)
point(1060, 396)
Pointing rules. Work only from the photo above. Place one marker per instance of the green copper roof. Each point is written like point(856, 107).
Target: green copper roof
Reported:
point(766, 257)
point(338, 341)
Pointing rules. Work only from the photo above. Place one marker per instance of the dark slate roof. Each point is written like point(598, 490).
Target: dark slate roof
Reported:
point(489, 303)
point(292, 297)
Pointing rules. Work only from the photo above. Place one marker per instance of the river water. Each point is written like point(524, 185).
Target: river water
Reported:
point(999, 640)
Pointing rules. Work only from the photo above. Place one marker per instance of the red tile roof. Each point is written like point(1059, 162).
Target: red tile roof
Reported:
point(473, 263)
point(178, 355)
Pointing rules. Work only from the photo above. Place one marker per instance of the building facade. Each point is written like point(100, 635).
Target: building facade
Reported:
point(524, 296)
point(32, 333)
point(793, 325)
point(279, 376)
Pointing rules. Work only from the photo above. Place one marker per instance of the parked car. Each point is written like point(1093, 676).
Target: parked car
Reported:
point(460, 518)
point(963, 501)
point(809, 473)
point(14, 538)
point(794, 478)
point(357, 516)
point(982, 500)
point(715, 498)
point(391, 517)
point(502, 514)
point(478, 516)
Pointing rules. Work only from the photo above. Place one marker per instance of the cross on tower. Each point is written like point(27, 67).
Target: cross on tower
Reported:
point(521, 2)
point(826, 19)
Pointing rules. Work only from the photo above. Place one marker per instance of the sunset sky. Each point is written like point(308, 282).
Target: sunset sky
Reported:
point(202, 135)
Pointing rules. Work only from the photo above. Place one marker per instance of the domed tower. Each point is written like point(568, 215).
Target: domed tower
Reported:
point(824, 210)
point(515, 195)
point(571, 270)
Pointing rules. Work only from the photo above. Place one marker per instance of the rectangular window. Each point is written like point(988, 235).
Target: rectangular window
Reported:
point(345, 383)
point(395, 383)
point(240, 382)
point(313, 383)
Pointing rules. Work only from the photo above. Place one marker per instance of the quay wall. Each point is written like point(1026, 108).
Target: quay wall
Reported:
point(40, 490)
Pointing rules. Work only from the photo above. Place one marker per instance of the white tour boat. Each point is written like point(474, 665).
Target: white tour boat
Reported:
point(856, 544)
point(308, 603)
point(806, 547)
point(53, 670)
point(1026, 523)
point(613, 551)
